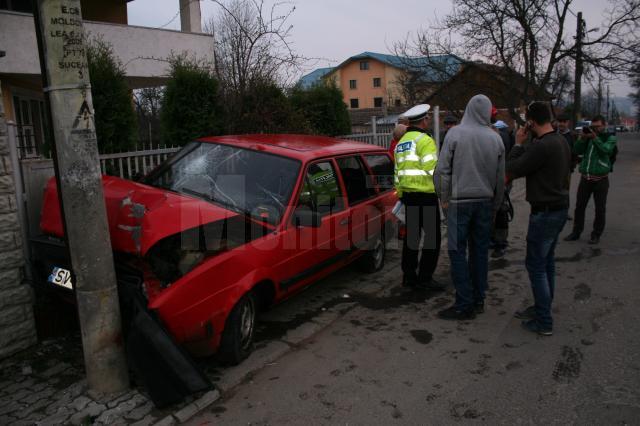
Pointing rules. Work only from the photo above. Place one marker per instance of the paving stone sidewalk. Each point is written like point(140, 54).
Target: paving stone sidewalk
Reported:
point(46, 385)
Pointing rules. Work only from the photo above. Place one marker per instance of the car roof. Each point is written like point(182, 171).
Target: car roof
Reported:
point(301, 147)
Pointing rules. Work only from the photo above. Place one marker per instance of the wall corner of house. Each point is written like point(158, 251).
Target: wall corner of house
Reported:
point(17, 324)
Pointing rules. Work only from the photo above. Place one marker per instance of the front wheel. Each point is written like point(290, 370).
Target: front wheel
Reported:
point(373, 259)
point(237, 337)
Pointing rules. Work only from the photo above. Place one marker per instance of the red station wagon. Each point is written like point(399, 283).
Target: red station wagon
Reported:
point(231, 224)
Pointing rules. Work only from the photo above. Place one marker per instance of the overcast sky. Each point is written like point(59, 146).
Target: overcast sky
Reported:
point(334, 30)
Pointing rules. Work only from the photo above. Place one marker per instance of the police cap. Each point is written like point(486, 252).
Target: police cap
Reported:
point(418, 112)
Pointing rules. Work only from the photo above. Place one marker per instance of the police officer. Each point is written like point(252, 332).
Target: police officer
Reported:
point(416, 157)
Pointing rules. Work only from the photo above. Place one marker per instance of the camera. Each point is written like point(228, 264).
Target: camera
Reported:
point(587, 129)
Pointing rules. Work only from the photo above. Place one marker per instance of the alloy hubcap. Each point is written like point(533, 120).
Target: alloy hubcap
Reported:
point(378, 253)
point(247, 320)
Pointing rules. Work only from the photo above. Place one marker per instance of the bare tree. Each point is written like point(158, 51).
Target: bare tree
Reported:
point(147, 103)
point(533, 39)
point(252, 42)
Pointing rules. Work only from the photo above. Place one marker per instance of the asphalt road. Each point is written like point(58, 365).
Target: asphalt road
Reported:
point(385, 358)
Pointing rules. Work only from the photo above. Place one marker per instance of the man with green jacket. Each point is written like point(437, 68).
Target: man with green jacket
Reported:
point(416, 156)
point(596, 147)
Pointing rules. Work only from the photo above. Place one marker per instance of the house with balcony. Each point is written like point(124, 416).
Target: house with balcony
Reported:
point(143, 51)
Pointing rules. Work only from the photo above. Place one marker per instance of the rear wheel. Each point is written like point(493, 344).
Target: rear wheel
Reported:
point(373, 259)
point(237, 337)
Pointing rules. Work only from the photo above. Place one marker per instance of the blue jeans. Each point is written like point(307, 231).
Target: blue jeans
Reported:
point(542, 237)
point(470, 223)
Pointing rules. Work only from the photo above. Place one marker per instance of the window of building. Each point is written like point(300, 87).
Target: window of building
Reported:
point(364, 65)
point(31, 125)
point(377, 102)
point(353, 84)
point(382, 170)
point(356, 180)
point(377, 82)
point(321, 192)
point(398, 102)
point(355, 103)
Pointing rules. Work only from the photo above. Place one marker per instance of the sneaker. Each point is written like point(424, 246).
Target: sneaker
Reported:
point(534, 327)
point(528, 313)
point(430, 285)
point(595, 239)
point(454, 314)
point(498, 252)
point(478, 307)
point(572, 237)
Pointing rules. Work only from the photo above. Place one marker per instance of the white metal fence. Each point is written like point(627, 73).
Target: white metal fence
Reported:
point(379, 139)
point(384, 139)
point(129, 165)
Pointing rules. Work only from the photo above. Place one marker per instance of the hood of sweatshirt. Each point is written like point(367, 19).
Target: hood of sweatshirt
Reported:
point(478, 111)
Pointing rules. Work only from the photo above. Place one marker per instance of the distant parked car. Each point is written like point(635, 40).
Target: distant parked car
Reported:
point(231, 224)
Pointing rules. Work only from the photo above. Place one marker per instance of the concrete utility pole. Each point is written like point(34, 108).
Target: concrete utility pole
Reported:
point(63, 60)
point(577, 92)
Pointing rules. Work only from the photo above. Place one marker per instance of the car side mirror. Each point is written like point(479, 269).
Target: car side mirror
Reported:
point(305, 217)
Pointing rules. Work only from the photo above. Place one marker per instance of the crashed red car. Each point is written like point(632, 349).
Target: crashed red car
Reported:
point(231, 224)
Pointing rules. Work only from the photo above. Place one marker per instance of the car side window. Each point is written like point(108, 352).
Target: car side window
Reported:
point(320, 191)
point(382, 170)
point(356, 180)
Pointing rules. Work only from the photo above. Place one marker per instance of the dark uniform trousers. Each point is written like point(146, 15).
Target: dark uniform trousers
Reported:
point(422, 220)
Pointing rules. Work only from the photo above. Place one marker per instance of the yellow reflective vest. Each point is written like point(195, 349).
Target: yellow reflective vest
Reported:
point(416, 157)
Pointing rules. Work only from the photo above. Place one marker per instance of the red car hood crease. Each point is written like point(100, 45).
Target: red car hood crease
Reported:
point(139, 215)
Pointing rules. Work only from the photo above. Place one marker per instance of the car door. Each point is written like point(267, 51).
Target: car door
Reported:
point(313, 249)
point(364, 211)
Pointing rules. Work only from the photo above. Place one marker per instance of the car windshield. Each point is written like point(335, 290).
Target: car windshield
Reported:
point(251, 182)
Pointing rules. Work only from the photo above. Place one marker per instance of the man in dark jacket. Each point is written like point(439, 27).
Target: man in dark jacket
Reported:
point(596, 147)
point(545, 163)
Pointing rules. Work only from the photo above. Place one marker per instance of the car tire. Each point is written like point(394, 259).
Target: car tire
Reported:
point(373, 258)
point(237, 337)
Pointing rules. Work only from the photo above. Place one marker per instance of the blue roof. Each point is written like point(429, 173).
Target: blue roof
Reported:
point(434, 69)
point(314, 77)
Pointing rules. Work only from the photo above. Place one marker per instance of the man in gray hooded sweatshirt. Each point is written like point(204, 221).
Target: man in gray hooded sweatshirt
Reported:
point(469, 180)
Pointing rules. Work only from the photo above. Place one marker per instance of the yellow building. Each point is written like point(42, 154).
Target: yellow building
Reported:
point(376, 80)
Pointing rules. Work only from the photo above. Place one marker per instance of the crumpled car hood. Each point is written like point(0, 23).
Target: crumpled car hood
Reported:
point(139, 215)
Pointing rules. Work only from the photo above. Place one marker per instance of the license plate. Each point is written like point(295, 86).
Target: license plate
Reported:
point(61, 277)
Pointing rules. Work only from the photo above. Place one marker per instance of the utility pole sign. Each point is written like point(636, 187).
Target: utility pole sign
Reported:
point(63, 58)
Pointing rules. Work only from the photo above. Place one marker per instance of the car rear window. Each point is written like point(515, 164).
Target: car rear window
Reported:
point(382, 170)
point(356, 180)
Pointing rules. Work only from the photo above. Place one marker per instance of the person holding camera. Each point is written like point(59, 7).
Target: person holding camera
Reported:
point(597, 148)
point(545, 163)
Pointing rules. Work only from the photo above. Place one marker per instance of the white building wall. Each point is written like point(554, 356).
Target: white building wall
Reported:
point(142, 50)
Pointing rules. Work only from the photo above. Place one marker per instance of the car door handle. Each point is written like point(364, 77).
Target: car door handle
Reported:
point(345, 221)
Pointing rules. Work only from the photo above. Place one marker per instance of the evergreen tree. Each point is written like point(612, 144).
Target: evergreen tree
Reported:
point(323, 108)
point(190, 105)
point(115, 119)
